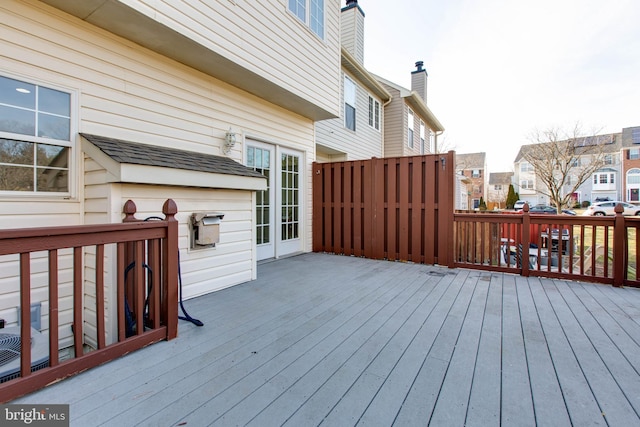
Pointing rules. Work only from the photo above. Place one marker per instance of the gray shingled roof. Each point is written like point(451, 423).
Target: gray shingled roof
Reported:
point(500, 178)
point(151, 155)
point(470, 161)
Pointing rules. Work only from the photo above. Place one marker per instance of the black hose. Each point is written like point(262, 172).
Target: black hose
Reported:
point(186, 316)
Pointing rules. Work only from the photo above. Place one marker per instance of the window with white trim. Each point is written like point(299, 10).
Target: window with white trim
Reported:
point(526, 184)
point(374, 113)
point(349, 104)
point(410, 129)
point(311, 12)
point(604, 178)
point(526, 167)
point(423, 142)
point(35, 138)
point(633, 176)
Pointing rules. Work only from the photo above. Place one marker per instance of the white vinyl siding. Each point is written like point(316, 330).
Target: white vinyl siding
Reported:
point(343, 143)
point(131, 93)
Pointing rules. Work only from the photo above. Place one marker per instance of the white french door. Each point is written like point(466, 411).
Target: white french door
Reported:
point(279, 207)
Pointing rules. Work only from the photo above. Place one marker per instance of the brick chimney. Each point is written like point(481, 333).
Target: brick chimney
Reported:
point(352, 30)
point(419, 80)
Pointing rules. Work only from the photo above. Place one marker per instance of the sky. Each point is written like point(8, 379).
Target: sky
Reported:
point(500, 69)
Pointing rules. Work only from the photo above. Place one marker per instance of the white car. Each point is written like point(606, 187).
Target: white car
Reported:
point(519, 204)
point(607, 208)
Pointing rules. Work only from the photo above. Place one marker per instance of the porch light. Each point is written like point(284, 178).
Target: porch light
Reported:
point(229, 141)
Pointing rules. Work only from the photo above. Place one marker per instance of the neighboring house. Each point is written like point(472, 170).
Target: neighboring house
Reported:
point(462, 195)
point(474, 167)
point(212, 105)
point(358, 133)
point(410, 128)
point(631, 164)
point(498, 190)
point(603, 184)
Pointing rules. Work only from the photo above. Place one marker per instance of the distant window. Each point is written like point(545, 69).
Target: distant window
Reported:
point(526, 167)
point(526, 184)
point(374, 113)
point(35, 137)
point(575, 162)
point(476, 173)
point(604, 178)
point(633, 176)
point(608, 159)
point(410, 129)
point(311, 12)
point(432, 146)
point(349, 104)
point(634, 153)
point(497, 187)
point(423, 142)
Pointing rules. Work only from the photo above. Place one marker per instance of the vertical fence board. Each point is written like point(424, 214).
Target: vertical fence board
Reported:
point(347, 209)
point(358, 208)
point(417, 224)
point(337, 208)
point(318, 199)
point(403, 208)
point(391, 195)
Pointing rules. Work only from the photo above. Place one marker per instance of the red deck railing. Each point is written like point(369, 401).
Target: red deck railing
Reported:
point(138, 245)
point(595, 249)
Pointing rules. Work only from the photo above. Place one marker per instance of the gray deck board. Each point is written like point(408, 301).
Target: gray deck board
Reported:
point(483, 409)
point(333, 340)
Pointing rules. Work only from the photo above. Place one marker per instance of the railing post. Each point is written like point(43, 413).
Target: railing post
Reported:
point(170, 261)
point(619, 235)
point(526, 238)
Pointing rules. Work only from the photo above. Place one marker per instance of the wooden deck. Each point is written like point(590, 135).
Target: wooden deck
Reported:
point(333, 340)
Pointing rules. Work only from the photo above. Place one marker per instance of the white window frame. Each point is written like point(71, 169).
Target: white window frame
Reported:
point(526, 167)
point(410, 120)
point(423, 143)
point(374, 113)
point(305, 11)
point(526, 184)
point(350, 99)
point(70, 143)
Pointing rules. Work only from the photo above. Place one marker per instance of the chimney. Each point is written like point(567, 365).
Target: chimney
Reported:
point(352, 30)
point(419, 80)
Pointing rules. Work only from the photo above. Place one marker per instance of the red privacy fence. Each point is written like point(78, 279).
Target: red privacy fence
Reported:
point(398, 208)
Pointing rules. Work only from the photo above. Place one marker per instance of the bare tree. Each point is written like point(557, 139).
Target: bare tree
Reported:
point(564, 160)
point(444, 145)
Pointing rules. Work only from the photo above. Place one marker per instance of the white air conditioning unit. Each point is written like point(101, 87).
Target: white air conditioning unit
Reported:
point(10, 352)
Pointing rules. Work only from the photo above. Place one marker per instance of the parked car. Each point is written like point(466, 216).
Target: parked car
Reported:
point(549, 210)
point(607, 208)
point(519, 204)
